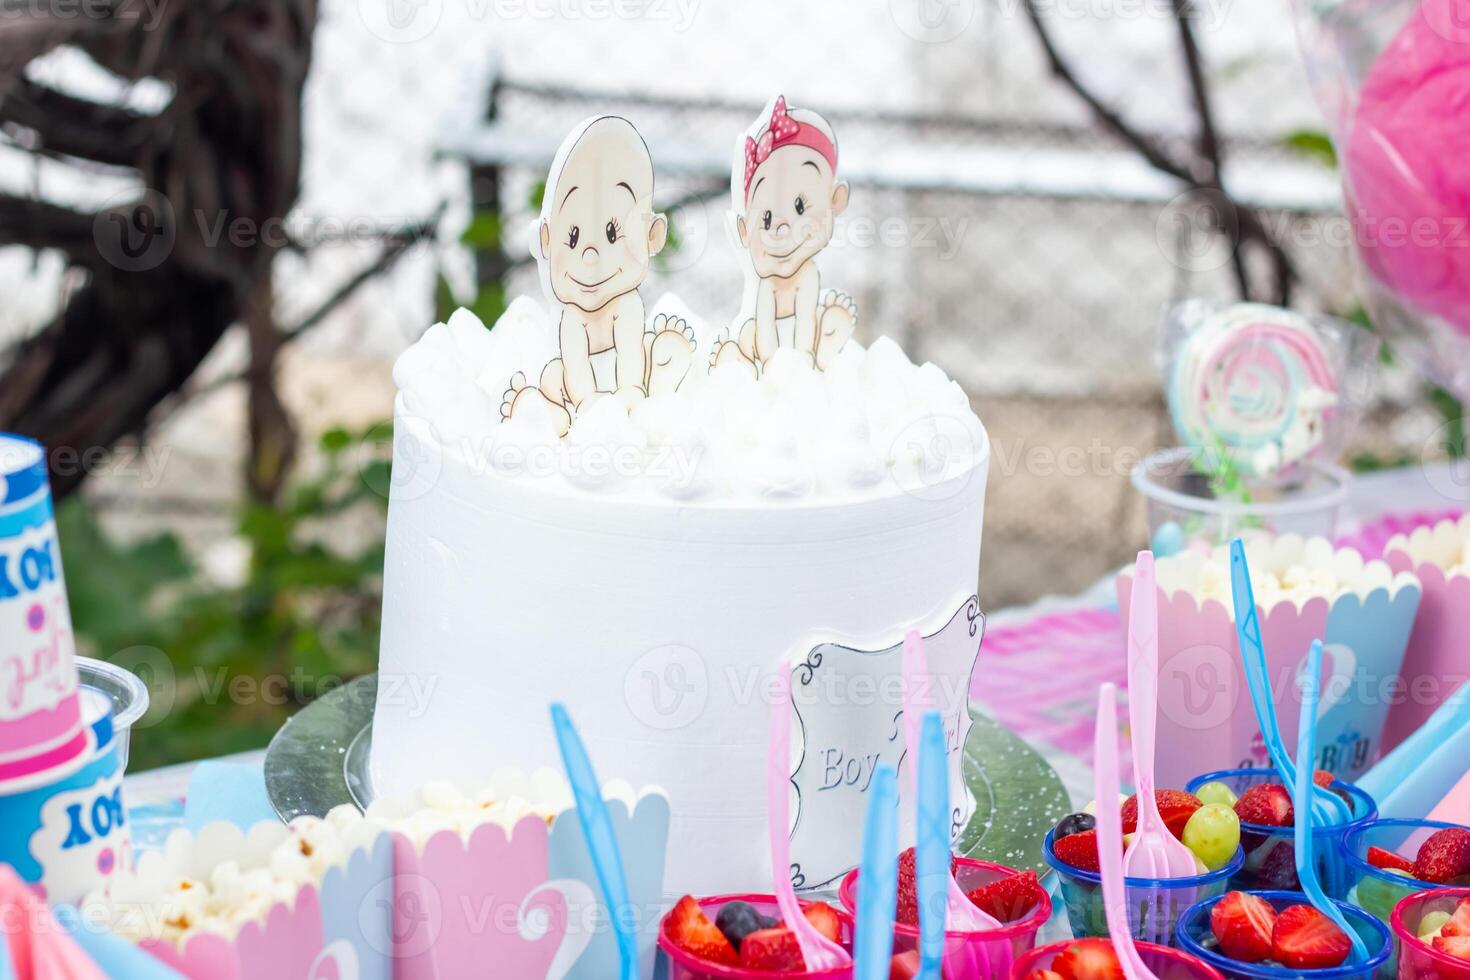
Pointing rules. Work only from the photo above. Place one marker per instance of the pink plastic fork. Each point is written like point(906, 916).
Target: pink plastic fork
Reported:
point(1110, 833)
point(1155, 852)
point(819, 952)
point(964, 916)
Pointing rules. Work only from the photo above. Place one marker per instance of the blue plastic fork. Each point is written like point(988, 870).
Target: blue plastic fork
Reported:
point(1306, 863)
point(1330, 808)
point(602, 841)
point(877, 898)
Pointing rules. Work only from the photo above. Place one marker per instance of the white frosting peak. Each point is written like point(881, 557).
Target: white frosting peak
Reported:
point(873, 424)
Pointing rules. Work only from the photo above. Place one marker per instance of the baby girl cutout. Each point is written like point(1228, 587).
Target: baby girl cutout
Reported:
point(594, 241)
point(787, 197)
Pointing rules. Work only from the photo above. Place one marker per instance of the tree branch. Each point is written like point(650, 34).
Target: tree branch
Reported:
point(77, 127)
point(1201, 172)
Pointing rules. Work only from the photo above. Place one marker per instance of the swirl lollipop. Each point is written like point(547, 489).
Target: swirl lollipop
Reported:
point(1256, 383)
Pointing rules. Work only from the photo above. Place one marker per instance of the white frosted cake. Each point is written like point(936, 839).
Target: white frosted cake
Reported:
point(652, 567)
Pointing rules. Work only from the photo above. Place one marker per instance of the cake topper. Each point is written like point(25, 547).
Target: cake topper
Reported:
point(786, 198)
point(593, 242)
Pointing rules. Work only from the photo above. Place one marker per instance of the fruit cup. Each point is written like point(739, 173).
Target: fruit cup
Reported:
point(1417, 959)
point(684, 965)
point(1196, 936)
point(1270, 856)
point(1377, 889)
point(1163, 962)
point(1155, 904)
point(965, 952)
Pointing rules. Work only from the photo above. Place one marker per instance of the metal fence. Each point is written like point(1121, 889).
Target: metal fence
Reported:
point(994, 229)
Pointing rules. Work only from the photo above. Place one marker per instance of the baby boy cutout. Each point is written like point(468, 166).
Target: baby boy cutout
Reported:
point(786, 196)
point(593, 242)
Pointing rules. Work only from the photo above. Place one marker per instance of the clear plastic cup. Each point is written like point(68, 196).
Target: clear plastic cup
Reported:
point(1164, 962)
point(970, 955)
point(1418, 959)
point(685, 966)
point(1194, 930)
point(1270, 854)
point(124, 690)
point(1154, 904)
point(1181, 508)
point(1373, 889)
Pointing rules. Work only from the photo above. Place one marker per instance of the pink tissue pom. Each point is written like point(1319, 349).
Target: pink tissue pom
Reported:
point(1407, 165)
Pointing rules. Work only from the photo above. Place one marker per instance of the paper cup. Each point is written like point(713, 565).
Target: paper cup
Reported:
point(70, 835)
point(1437, 660)
point(41, 732)
point(1206, 721)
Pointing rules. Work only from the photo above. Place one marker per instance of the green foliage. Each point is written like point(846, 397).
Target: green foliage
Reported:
point(228, 663)
point(1315, 145)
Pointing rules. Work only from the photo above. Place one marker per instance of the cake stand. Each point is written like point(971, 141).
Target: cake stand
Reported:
point(319, 759)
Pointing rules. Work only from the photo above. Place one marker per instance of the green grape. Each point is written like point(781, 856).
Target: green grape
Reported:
point(1213, 834)
point(1216, 792)
point(1431, 924)
point(1379, 897)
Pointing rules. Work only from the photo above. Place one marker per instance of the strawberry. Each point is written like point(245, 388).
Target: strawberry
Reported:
point(1039, 975)
point(1243, 924)
point(1305, 939)
point(1323, 778)
point(1444, 856)
point(904, 966)
point(1175, 806)
point(824, 919)
point(692, 931)
point(772, 949)
point(1265, 804)
point(1078, 850)
point(1088, 959)
point(1389, 861)
point(1459, 924)
point(1008, 899)
point(1456, 946)
point(908, 902)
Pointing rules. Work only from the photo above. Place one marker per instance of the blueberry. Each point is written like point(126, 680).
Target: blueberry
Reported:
point(739, 919)
point(1074, 823)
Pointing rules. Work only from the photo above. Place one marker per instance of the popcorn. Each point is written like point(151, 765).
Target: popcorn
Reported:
point(1285, 568)
point(1446, 544)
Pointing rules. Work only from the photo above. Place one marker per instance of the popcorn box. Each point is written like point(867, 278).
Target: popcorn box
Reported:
point(67, 836)
point(251, 922)
point(1363, 613)
point(42, 736)
point(406, 891)
point(525, 897)
point(1437, 661)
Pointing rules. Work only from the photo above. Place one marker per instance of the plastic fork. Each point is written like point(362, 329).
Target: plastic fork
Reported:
point(602, 842)
point(819, 952)
point(963, 915)
point(1155, 851)
point(877, 897)
point(1110, 833)
point(1330, 808)
point(1306, 816)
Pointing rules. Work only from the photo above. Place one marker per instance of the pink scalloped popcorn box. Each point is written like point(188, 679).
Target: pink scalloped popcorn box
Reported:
point(1206, 721)
point(1438, 658)
point(334, 928)
point(410, 896)
point(527, 898)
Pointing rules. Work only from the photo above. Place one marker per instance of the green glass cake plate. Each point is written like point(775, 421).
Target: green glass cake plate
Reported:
point(319, 759)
